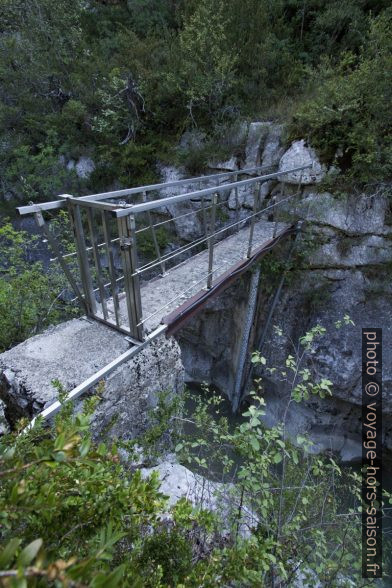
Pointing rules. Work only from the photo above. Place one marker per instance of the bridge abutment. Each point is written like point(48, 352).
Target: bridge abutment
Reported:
point(73, 351)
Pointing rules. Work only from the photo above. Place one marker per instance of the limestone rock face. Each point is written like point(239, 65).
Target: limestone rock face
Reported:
point(346, 270)
point(228, 165)
point(84, 167)
point(273, 149)
point(354, 215)
point(296, 156)
point(263, 146)
point(257, 134)
point(178, 482)
point(210, 343)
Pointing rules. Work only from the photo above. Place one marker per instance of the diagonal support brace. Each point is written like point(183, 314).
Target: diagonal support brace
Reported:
point(39, 219)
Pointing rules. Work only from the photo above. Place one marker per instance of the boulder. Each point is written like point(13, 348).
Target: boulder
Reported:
point(178, 482)
point(257, 134)
point(228, 165)
point(273, 150)
point(299, 155)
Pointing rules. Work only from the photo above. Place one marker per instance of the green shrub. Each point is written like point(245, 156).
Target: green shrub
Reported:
point(29, 296)
point(72, 513)
point(345, 119)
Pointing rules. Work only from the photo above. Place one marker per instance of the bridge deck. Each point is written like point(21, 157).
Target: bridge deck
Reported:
point(163, 294)
point(103, 222)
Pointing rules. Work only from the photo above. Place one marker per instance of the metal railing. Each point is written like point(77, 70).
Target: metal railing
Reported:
point(107, 228)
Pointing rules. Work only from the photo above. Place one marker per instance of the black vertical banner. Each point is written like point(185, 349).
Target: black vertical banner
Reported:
point(371, 453)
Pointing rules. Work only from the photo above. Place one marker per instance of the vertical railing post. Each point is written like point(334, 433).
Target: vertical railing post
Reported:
point(84, 266)
point(276, 222)
point(111, 265)
point(154, 236)
point(253, 219)
point(211, 240)
point(126, 231)
point(297, 199)
point(203, 208)
point(97, 260)
point(237, 204)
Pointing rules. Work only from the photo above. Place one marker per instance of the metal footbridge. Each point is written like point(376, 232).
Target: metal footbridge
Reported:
point(144, 291)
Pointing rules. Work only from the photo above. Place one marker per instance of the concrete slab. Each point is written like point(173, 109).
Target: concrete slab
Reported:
point(163, 294)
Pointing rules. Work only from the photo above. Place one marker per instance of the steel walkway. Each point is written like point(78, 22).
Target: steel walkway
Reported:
point(142, 300)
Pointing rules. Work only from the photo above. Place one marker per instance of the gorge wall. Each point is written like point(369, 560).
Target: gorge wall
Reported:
point(344, 266)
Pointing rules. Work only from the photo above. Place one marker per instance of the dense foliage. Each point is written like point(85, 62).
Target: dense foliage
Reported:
point(120, 81)
point(78, 513)
point(31, 296)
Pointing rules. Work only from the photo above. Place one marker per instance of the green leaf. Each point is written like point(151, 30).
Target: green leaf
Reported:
point(111, 580)
point(29, 553)
point(277, 458)
point(9, 453)
point(255, 444)
point(85, 447)
point(8, 552)
point(60, 441)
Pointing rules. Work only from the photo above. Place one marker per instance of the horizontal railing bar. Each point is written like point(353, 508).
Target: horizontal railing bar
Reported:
point(162, 185)
point(144, 206)
point(105, 286)
point(32, 208)
point(92, 204)
point(172, 254)
point(56, 204)
point(203, 239)
point(143, 229)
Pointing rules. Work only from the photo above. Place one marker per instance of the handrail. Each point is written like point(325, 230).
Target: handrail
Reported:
point(93, 227)
point(144, 206)
point(55, 204)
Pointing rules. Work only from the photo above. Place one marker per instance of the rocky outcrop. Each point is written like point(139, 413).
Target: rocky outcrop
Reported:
point(299, 154)
point(263, 147)
point(345, 267)
point(178, 482)
point(84, 167)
